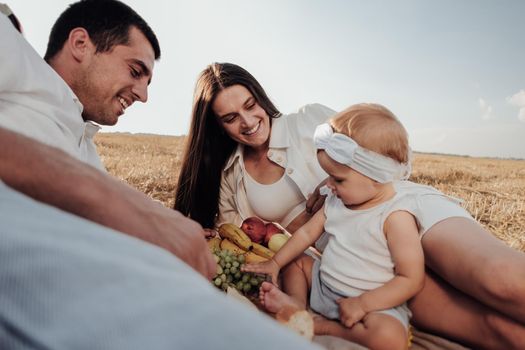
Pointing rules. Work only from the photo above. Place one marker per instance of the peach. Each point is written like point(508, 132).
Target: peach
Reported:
point(271, 229)
point(254, 228)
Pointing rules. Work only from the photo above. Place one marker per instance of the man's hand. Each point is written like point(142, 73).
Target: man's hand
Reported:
point(350, 311)
point(185, 238)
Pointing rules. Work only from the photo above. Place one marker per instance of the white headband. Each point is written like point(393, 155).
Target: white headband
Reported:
point(346, 151)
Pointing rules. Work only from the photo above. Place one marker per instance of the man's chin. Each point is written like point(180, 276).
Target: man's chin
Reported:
point(104, 120)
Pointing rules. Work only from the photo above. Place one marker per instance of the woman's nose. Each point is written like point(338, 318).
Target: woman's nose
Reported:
point(246, 119)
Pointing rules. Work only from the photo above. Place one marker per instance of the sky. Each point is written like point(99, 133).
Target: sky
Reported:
point(453, 71)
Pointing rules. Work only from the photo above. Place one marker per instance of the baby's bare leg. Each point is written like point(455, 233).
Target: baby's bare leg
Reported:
point(375, 331)
point(297, 279)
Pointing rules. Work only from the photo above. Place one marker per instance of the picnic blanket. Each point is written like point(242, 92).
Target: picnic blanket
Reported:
point(420, 340)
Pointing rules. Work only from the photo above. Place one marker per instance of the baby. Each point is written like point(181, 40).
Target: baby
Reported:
point(373, 262)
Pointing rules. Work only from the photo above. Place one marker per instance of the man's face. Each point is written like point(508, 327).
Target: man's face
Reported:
point(112, 81)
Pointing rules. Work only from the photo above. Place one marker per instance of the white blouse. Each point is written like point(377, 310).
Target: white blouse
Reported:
point(279, 202)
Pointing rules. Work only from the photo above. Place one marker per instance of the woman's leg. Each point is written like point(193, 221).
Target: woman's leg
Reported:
point(375, 331)
point(441, 309)
point(472, 260)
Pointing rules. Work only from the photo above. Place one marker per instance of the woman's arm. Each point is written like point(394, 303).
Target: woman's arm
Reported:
point(51, 176)
point(405, 247)
point(228, 211)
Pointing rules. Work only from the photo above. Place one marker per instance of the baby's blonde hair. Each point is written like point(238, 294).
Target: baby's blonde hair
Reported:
point(375, 128)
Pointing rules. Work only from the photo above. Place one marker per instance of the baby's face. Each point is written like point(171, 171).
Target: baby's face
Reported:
point(352, 187)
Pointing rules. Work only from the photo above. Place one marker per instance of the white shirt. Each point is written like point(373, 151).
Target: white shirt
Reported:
point(280, 201)
point(357, 254)
point(36, 102)
point(291, 147)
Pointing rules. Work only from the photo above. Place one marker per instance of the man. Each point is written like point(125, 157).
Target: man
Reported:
point(71, 283)
point(105, 52)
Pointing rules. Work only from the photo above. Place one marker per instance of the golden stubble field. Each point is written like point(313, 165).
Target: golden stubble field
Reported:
point(493, 189)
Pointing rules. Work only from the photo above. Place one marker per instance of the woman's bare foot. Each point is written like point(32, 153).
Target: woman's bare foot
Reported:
point(273, 299)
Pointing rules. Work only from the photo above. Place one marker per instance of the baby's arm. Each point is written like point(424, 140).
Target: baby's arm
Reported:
point(295, 246)
point(405, 247)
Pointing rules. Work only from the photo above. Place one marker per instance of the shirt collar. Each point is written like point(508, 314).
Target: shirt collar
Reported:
point(91, 129)
point(76, 100)
point(280, 135)
point(237, 155)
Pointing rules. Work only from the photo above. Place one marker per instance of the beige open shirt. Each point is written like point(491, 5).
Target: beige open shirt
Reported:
point(291, 147)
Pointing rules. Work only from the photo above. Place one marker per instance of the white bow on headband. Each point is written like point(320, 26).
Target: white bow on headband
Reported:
point(346, 151)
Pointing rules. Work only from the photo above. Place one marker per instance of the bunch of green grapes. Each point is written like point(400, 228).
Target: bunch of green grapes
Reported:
point(229, 274)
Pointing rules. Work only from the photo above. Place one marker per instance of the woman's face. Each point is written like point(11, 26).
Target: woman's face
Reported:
point(242, 118)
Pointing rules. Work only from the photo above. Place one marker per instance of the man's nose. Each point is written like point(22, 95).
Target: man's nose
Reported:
point(140, 90)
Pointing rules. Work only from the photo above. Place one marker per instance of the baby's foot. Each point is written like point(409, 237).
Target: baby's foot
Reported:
point(274, 299)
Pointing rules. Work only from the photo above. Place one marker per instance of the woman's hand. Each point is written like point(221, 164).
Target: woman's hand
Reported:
point(350, 311)
point(316, 200)
point(269, 267)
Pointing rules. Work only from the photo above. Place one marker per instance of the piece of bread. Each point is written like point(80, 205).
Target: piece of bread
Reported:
point(300, 321)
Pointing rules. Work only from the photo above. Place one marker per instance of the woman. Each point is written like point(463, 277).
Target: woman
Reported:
point(232, 168)
point(475, 286)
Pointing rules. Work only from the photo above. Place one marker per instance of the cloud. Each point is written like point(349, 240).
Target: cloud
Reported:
point(518, 99)
point(486, 109)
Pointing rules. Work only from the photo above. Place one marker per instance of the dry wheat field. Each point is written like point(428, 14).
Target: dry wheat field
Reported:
point(493, 190)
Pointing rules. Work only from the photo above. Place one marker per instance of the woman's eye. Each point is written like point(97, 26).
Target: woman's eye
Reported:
point(228, 120)
point(251, 106)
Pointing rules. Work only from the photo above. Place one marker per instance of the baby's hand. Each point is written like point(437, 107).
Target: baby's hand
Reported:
point(269, 267)
point(350, 311)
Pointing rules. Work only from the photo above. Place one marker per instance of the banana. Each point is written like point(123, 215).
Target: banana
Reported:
point(214, 244)
point(236, 235)
point(226, 244)
point(262, 251)
point(251, 258)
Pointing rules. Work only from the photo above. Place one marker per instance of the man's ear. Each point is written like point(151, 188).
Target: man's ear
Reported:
point(80, 44)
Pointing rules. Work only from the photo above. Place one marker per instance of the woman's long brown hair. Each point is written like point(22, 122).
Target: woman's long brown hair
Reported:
point(207, 146)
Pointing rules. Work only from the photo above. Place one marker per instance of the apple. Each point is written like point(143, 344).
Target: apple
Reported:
point(277, 241)
point(254, 228)
point(271, 229)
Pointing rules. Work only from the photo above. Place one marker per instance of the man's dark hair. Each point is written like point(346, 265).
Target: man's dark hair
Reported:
point(107, 22)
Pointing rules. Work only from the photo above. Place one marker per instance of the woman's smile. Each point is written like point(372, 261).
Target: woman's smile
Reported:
point(252, 130)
